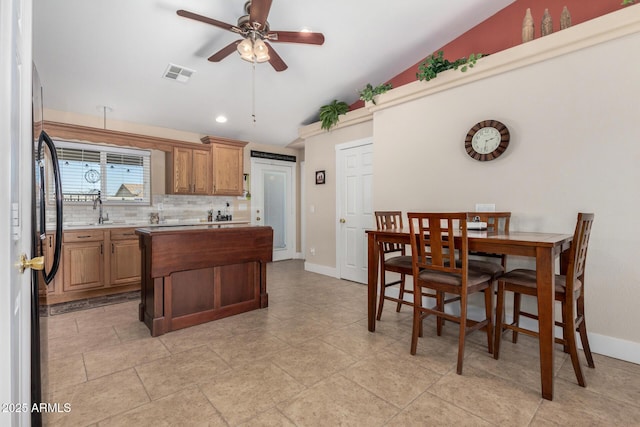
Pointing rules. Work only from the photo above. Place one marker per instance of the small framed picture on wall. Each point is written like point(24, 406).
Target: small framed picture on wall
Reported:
point(320, 177)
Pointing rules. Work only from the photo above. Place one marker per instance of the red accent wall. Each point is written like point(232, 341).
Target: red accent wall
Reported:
point(504, 30)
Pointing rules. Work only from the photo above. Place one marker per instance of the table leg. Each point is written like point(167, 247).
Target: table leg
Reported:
point(372, 281)
point(546, 303)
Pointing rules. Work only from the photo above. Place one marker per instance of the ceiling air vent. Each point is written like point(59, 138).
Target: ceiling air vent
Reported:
point(178, 73)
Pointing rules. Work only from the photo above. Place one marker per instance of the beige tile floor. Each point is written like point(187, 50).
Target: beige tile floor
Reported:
point(308, 360)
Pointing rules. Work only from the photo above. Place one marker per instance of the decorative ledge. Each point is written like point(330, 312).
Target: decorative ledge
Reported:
point(351, 118)
point(605, 28)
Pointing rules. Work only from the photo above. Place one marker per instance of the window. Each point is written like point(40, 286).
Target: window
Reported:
point(121, 175)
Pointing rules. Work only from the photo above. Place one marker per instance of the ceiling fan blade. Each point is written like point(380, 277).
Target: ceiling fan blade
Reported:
point(258, 11)
point(295, 37)
point(224, 52)
point(274, 59)
point(206, 20)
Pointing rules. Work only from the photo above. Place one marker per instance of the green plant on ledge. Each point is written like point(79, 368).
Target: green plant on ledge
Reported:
point(436, 63)
point(330, 113)
point(628, 2)
point(369, 92)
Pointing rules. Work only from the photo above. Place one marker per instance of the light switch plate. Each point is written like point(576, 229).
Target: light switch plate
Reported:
point(485, 207)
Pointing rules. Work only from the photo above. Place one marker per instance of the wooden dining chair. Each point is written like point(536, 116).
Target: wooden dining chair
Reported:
point(496, 222)
point(440, 262)
point(569, 290)
point(393, 258)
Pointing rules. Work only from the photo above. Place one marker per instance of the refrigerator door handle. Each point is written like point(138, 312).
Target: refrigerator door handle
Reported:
point(46, 140)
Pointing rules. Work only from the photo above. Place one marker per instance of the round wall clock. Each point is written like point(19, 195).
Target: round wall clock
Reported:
point(92, 176)
point(487, 140)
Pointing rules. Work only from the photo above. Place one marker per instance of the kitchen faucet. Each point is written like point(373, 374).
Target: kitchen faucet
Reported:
point(95, 203)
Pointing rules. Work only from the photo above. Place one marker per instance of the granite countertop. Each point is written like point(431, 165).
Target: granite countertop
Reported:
point(123, 224)
point(177, 228)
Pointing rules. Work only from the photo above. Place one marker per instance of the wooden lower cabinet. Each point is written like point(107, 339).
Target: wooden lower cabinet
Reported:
point(83, 260)
point(125, 258)
point(48, 249)
point(96, 262)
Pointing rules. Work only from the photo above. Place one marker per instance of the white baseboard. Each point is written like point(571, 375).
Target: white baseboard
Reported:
point(321, 269)
point(617, 348)
point(604, 345)
point(298, 255)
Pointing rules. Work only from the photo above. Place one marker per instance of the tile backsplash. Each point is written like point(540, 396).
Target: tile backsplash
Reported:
point(169, 207)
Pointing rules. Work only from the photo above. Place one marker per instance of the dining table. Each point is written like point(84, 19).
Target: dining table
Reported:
point(544, 247)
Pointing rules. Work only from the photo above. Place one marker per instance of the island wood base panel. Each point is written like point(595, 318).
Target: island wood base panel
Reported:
point(210, 284)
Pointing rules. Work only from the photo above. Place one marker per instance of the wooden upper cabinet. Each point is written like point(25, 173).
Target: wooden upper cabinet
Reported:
point(201, 171)
point(228, 165)
point(188, 171)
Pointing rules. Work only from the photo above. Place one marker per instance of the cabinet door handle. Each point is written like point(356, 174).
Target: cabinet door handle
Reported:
point(101, 248)
point(112, 248)
point(83, 237)
point(49, 241)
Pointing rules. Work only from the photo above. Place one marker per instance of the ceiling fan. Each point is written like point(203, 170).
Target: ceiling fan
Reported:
point(255, 32)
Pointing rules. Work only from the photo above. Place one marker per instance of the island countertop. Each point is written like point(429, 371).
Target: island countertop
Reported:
point(198, 273)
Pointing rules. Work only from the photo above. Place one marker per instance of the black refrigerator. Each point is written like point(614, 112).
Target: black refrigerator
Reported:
point(46, 211)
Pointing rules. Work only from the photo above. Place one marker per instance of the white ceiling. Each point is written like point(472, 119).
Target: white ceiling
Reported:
point(94, 53)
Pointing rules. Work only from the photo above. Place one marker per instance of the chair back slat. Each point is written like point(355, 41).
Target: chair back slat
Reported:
point(433, 242)
point(578, 251)
point(496, 221)
point(386, 220)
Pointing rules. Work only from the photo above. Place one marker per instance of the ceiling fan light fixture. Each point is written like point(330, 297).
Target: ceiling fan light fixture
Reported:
point(260, 51)
point(245, 48)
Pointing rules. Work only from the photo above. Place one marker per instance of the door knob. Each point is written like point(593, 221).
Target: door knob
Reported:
point(34, 263)
point(342, 220)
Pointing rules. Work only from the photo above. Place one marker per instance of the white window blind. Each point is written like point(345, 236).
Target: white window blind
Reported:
point(122, 175)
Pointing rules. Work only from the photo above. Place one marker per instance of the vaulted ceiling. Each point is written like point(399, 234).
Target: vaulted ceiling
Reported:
point(92, 53)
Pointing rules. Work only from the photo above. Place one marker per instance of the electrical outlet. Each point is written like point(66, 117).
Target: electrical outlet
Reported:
point(312, 251)
point(485, 207)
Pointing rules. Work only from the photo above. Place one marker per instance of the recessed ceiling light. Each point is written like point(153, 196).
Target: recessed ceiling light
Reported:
point(305, 30)
point(221, 119)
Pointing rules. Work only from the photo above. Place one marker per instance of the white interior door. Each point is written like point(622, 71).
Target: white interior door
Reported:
point(15, 209)
point(273, 203)
point(355, 207)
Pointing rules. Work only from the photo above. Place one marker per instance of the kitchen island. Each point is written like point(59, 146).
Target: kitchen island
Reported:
point(196, 274)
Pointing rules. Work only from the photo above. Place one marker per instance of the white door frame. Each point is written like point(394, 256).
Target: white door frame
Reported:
point(303, 221)
point(15, 207)
point(339, 194)
point(291, 198)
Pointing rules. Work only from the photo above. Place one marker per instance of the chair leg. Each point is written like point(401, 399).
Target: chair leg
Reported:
point(462, 334)
point(440, 307)
point(499, 320)
point(570, 336)
point(401, 293)
point(417, 322)
point(516, 315)
point(582, 328)
point(382, 292)
point(564, 333)
point(488, 305)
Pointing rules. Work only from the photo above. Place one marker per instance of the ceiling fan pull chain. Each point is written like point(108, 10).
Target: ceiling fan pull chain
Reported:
point(253, 90)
